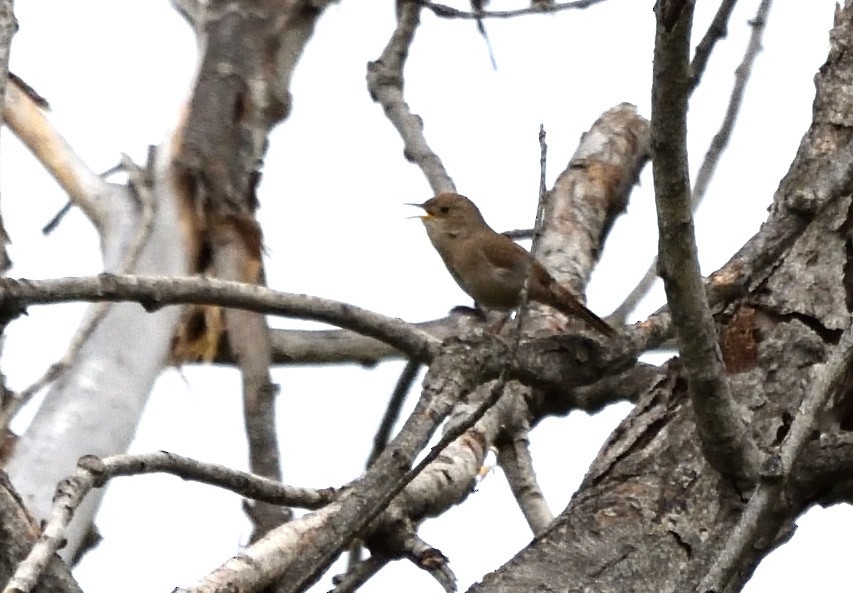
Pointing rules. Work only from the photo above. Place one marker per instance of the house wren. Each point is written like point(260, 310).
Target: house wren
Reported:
point(491, 267)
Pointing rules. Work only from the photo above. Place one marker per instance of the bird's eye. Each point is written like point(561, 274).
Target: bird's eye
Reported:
point(444, 209)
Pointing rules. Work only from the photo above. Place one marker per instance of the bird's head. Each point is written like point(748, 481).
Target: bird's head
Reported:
point(451, 215)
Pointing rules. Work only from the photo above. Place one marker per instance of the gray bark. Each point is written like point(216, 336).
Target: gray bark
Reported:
point(652, 514)
point(96, 405)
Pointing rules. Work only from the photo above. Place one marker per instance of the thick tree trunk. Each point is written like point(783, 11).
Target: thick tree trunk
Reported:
point(652, 514)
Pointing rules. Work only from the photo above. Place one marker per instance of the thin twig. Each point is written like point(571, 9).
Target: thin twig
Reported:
point(385, 84)
point(383, 433)
point(725, 441)
point(359, 574)
point(537, 231)
point(57, 218)
point(93, 472)
point(525, 465)
point(140, 182)
point(60, 215)
point(718, 29)
point(428, 558)
point(370, 495)
point(191, 10)
point(543, 187)
point(777, 467)
point(519, 234)
point(712, 155)
point(444, 11)
point(392, 410)
point(477, 6)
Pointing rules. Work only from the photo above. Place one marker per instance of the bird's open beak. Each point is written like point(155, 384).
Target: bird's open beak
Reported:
point(423, 216)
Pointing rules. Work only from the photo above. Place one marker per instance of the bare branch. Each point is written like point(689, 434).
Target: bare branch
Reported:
point(156, 292)
point(591, 192)
point(453, 432)
point(392, 410)
point(93, 472)
point(28, 122)
point(191, 10)
point(304, 547)
point(359, 574)
point(8, 27)
point(292, 346)
point(716, 31)
point(383, 434)
point(141, 184)
point(219, 157)
point(816, 178)
point(517, 463)
point(444, 11)
point(724, 439)
point(758, 518)
point(519, 234)
point(430, 559)
point(385, 84)
point(17, 536)
point(712, 156)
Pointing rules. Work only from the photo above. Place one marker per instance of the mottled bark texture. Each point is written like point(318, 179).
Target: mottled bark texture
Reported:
point(652, 514)
point(18, 532)
point(8, 27)
point(242, 91)
point(724, 438)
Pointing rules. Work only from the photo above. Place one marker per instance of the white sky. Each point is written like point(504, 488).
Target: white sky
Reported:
point(116, 74)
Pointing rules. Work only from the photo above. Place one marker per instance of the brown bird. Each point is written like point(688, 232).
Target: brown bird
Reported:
point(491, 267)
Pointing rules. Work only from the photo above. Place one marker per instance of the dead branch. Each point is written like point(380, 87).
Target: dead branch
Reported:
point(724, 437)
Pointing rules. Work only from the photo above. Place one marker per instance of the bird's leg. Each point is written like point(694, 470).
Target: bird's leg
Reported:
point(501, 322)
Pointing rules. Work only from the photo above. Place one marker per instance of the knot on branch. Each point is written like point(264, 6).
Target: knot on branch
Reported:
point(11, 305)
point(95, 466)
point(380, 74)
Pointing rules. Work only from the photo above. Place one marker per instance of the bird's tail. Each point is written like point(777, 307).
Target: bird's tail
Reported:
point(568, 304)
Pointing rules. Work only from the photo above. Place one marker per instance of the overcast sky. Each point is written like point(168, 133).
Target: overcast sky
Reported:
point(117, 72)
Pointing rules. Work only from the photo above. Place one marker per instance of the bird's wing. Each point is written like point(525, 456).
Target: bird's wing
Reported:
point(506, 260)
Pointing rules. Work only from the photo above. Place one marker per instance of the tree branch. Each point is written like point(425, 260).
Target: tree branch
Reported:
point(385, 84)
point(444, 11)
point(18, 534)
point(724, 439)
point(156, 292)
point(8, 27)
point(517, 463)
point(712, 155)
point(392, 411)
point(141, 182)
point(718, 29)
point(305, 546)
point(84, 187)
point(293, 346)
point(359, 574)
point(758, 517)
point(93, 472)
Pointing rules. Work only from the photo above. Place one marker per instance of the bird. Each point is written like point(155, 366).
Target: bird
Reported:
point(490, 267)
